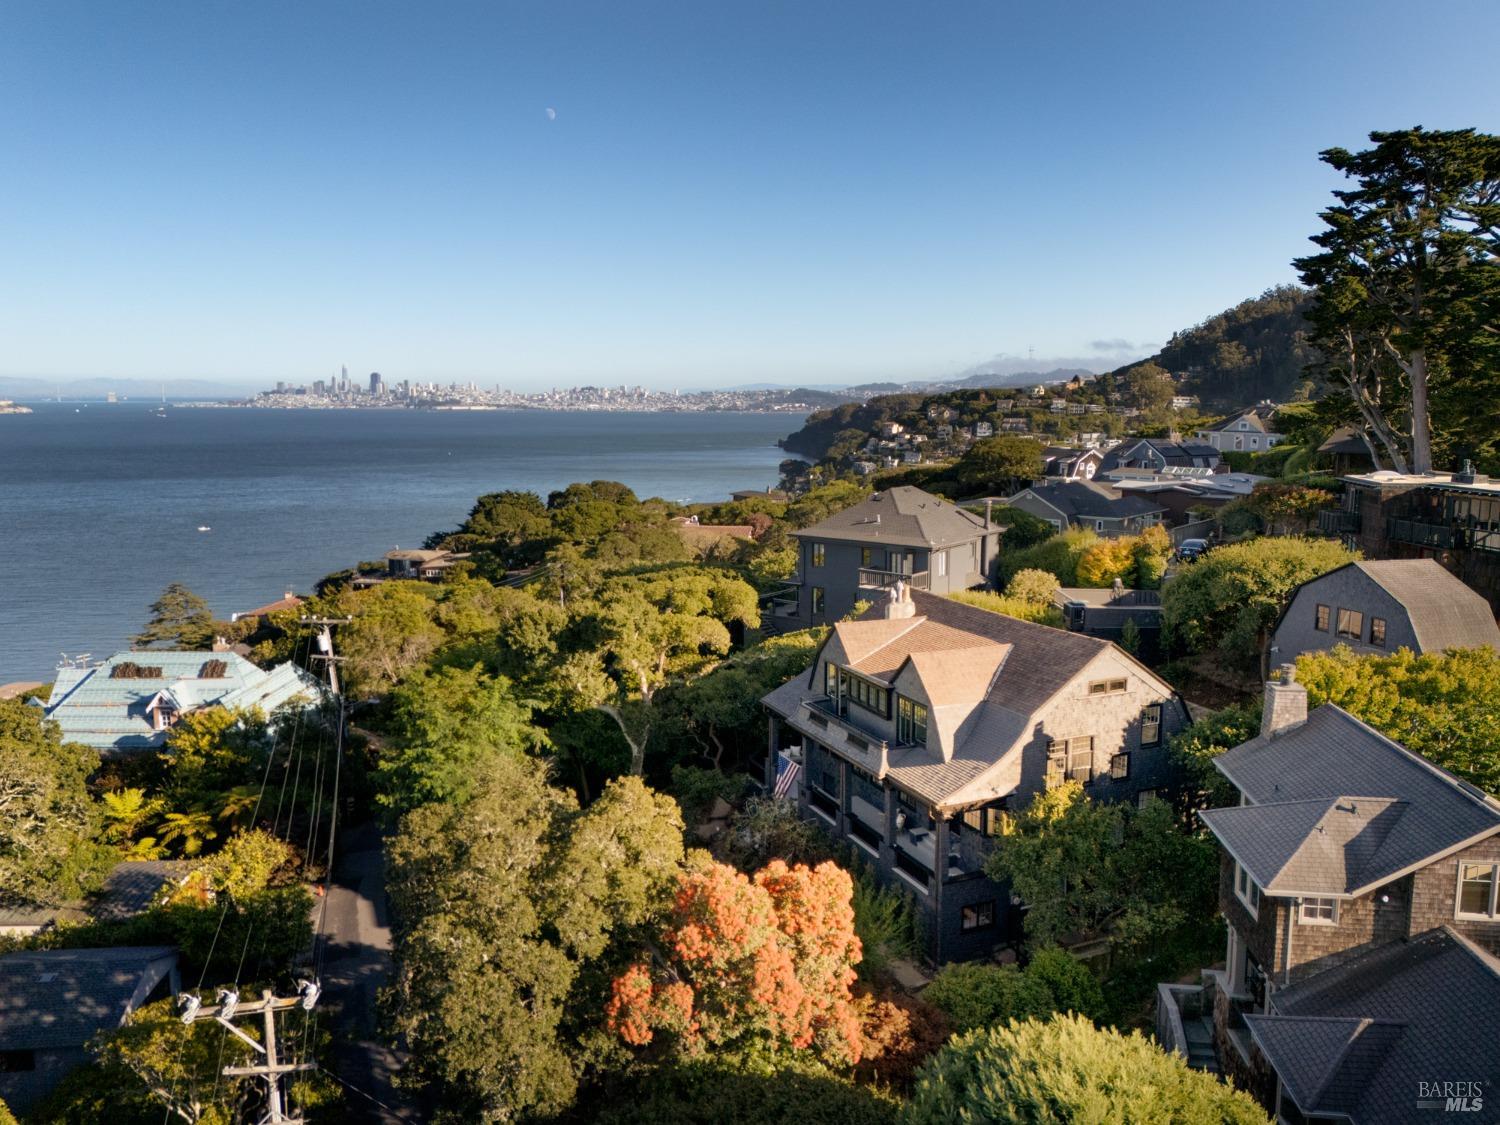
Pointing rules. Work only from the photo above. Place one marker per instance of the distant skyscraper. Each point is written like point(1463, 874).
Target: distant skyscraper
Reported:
point(375, 387)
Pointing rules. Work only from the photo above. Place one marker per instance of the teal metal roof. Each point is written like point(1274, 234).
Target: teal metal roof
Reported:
point(109, 712)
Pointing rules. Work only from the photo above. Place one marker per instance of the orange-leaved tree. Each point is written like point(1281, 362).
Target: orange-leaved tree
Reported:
point(740, 960)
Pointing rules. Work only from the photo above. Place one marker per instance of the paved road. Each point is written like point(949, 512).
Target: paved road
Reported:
point(356, 962)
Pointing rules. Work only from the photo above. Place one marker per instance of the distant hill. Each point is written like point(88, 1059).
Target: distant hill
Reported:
point(20, 387)
point(1254, 351)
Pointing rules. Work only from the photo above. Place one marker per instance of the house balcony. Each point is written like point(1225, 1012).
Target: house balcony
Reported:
point(1337, 521)
point(868, 751)
point(885, 579)
point(1420, 533)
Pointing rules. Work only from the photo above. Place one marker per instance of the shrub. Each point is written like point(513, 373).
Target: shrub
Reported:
point(731, 1092)
point(1066, 1069)
point(1073, 985)
point(885, 923)
point(973, 994)
point(1058, 556)
point(1033, 586)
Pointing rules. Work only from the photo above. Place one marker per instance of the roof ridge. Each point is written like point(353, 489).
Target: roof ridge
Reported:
point(1467, 789)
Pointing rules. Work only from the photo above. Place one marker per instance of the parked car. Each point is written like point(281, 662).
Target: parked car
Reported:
point(1190, 549)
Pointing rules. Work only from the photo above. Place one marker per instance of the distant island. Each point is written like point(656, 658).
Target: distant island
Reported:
point(8, 407)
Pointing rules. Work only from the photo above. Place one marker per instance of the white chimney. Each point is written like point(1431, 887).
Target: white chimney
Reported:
point(1286, 703)
point(898, 603)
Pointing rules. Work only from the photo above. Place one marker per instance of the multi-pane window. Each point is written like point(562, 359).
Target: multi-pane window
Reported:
point(1145, 797)
point(1119, 766)
point(1246, 890)
point(830, 679)
point(940, 563)
point(1071, 758)
point(1106, 687)
point(819, 554)
point(868, 694)
point(1318, 911)
point(1351, 624)
point(1476, 890)
point(911, 721)
point(977, 916)
point(1321, 621)
point(1151, 725)
point(1377, 632)
point(817, 599)
point(986, 821)
point(866, 556)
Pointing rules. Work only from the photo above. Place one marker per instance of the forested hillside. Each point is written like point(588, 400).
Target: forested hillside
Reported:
point(1256, 350)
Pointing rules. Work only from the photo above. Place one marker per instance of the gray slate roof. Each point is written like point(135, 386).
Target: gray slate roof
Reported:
point(904, 517)
point(1185, 453)
point(1040, 663)
point(1357, 1039)
point(1444, 612)
point(1338, 808)
point(131, 886)
point(63, 997)
point(1085, 499)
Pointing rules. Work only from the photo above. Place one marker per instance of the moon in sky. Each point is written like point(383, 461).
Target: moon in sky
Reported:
point(551, 114)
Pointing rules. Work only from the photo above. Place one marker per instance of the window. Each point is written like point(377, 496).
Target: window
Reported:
point(866, 556)
point(1318, 912)
point(1145, 798)
point(911, 721)
point(977, 916)
point(831, 680)
point(1321, 624)
point(1071, 758)
point(1151, 725)
point(1246, 891)
point(1476, 890)
point(1351, 624)
point(817, 599)
point(1377, 632)
point(1098, 525)
point(868, 694)
point(819, 554)
point(989, 821)
point(1106, 687)
point(1119, 766)
point(940, 563)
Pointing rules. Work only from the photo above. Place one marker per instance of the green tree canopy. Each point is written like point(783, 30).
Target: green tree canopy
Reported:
point(1226, 602)
point(1408, 290)
point(180, 619)
point(1067, 1070)
point(1442, 705)
point(47, 822)
point(1000, 464)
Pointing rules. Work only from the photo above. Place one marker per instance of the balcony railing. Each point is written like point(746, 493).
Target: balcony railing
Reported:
point(1422, 534)
point(868, 750)
point(1337, 521)
point(885, 579)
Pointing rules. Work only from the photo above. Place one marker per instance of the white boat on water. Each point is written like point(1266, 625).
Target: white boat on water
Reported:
point(204, 527)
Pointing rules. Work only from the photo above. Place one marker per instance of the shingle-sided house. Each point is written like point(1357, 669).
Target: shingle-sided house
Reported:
point(1378, 606)
point(901, 533)
point(53, 1002)
point(1349, 863)
point(1087, 503)
point(129, 889)
point(923, 721)
point(1248, 431)
point(1070, 464)
point(131, 701)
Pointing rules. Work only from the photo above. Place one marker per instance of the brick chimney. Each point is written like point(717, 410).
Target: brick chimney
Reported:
point(1286, 703)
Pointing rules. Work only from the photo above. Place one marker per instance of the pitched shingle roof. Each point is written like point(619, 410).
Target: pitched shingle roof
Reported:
point(1013, 667)
point(1358, 1038)
point(905, 517)
point(63, 997)
point(1086, 499)
point(1339, 808)
point(1444, 612)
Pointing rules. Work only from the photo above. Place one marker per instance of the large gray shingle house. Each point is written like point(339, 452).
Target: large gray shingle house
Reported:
point(900, 534)
point(1380, 606)
point(1350, 868)
point(1086, 503)
point(923, 721)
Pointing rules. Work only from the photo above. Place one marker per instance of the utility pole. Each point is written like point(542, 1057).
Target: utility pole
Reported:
point(272, 1068)
point(325, 647)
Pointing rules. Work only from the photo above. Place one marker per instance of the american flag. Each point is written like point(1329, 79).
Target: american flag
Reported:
point(786, 775)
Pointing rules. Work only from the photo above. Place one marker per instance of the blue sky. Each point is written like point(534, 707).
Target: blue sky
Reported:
point(726, 191)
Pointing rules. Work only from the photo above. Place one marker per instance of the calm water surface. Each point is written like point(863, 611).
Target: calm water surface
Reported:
point(100, 504)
